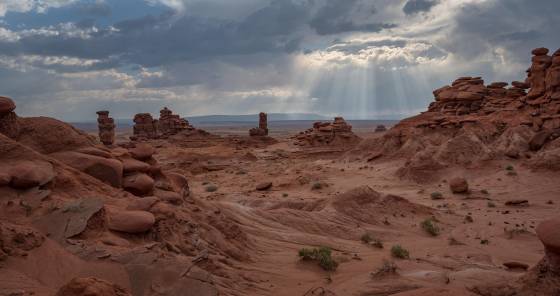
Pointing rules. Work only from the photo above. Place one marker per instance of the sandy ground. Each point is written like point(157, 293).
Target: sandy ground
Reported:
point(293, 215)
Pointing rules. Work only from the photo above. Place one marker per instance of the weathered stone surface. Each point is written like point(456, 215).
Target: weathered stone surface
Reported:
point(142, 151)
point(107, 170)
point(91, 287)
point(130, 221)
point(142, 204)
point(8, 119)
point(262, 130)
point(131, 165)
point(27, 174)
point(336, 133)
point(263, 186)
point(106, 127)
point(145, 126)
point(170, 124)
point(139, 184)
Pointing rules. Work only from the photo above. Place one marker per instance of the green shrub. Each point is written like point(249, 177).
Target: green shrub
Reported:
point(211, 188)
point(398, 251)
point(321, 255)
point(387, 269)
point(509, 168)
point(368, 239)
point(436, 195)
point(430, 227)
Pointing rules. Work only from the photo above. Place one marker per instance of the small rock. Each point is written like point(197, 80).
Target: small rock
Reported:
point(139, 184)
point(264, 186)
point(458, 185)
point(517, 203)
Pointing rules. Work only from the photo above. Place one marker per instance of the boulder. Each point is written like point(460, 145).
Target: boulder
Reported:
point(539, 139)
point(139, 184)
point(29, 174)
point(178, 181)
point(142, 151)
point(459, 185)
point(6, 105)
point(549, 234)
point(106, 170)
point(540, 51)
point(142, 204)
point(131, 165)
point(263, 186)
point(130, 221)
point(169, 196)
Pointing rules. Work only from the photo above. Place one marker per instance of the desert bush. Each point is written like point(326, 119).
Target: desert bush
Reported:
point(211, 188)
point(368, 239)
point(398, 251)
point(321, 255)
point(509, 168)
point(430, 227)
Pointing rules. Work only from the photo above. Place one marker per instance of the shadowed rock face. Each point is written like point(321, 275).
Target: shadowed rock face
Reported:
point(145, 127)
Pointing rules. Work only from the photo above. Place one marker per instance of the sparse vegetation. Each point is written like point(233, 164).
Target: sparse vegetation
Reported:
point(469, 219)
point(388, 268)
point(484, 242)
point(321, 255)
point(368, 239)
point(430, 227)
point(398, 251)
point(491, 204)
point(211, 188)
point(510, 168)
point(436, 195)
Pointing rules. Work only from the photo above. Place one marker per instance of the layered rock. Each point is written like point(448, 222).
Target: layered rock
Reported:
point(106, 127)
point(262, 130)
point(470, 122)
point(8, 119)
point(145, 126)
point(171, 124)
point(337, 132)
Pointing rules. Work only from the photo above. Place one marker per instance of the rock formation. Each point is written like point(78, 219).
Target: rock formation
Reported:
point(170, 124)
point(470, 122)
point(106, 127)
point(8, 119)
point(333, 133)
point(380, 128)
point(262, 130)
point(145, 127)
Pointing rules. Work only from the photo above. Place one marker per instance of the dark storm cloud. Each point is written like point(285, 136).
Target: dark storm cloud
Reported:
point(416, 6)
point(337, 16)
point(155, 40)
point(515, 26)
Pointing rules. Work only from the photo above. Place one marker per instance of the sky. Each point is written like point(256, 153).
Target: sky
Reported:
point(361, 59)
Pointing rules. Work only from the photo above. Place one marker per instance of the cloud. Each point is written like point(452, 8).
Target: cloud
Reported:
point(40, 6)
point(417, 6)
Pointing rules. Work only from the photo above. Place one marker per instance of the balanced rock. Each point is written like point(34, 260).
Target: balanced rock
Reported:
point(6, 105)
point(138, 184)
point(540, 51)
point(459, 185)
point(262, 130)
point(130, 221)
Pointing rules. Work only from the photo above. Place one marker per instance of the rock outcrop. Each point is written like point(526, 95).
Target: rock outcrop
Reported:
point(106, 127)
point(171, 124)
point(91, 287)
point(470, 122)
point(145, 127)
point(262, 130)
point(8, 119)
point(336, 133)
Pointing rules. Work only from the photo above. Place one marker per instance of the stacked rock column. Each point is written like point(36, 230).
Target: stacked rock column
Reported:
point(106, 127)
point(263, 122)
